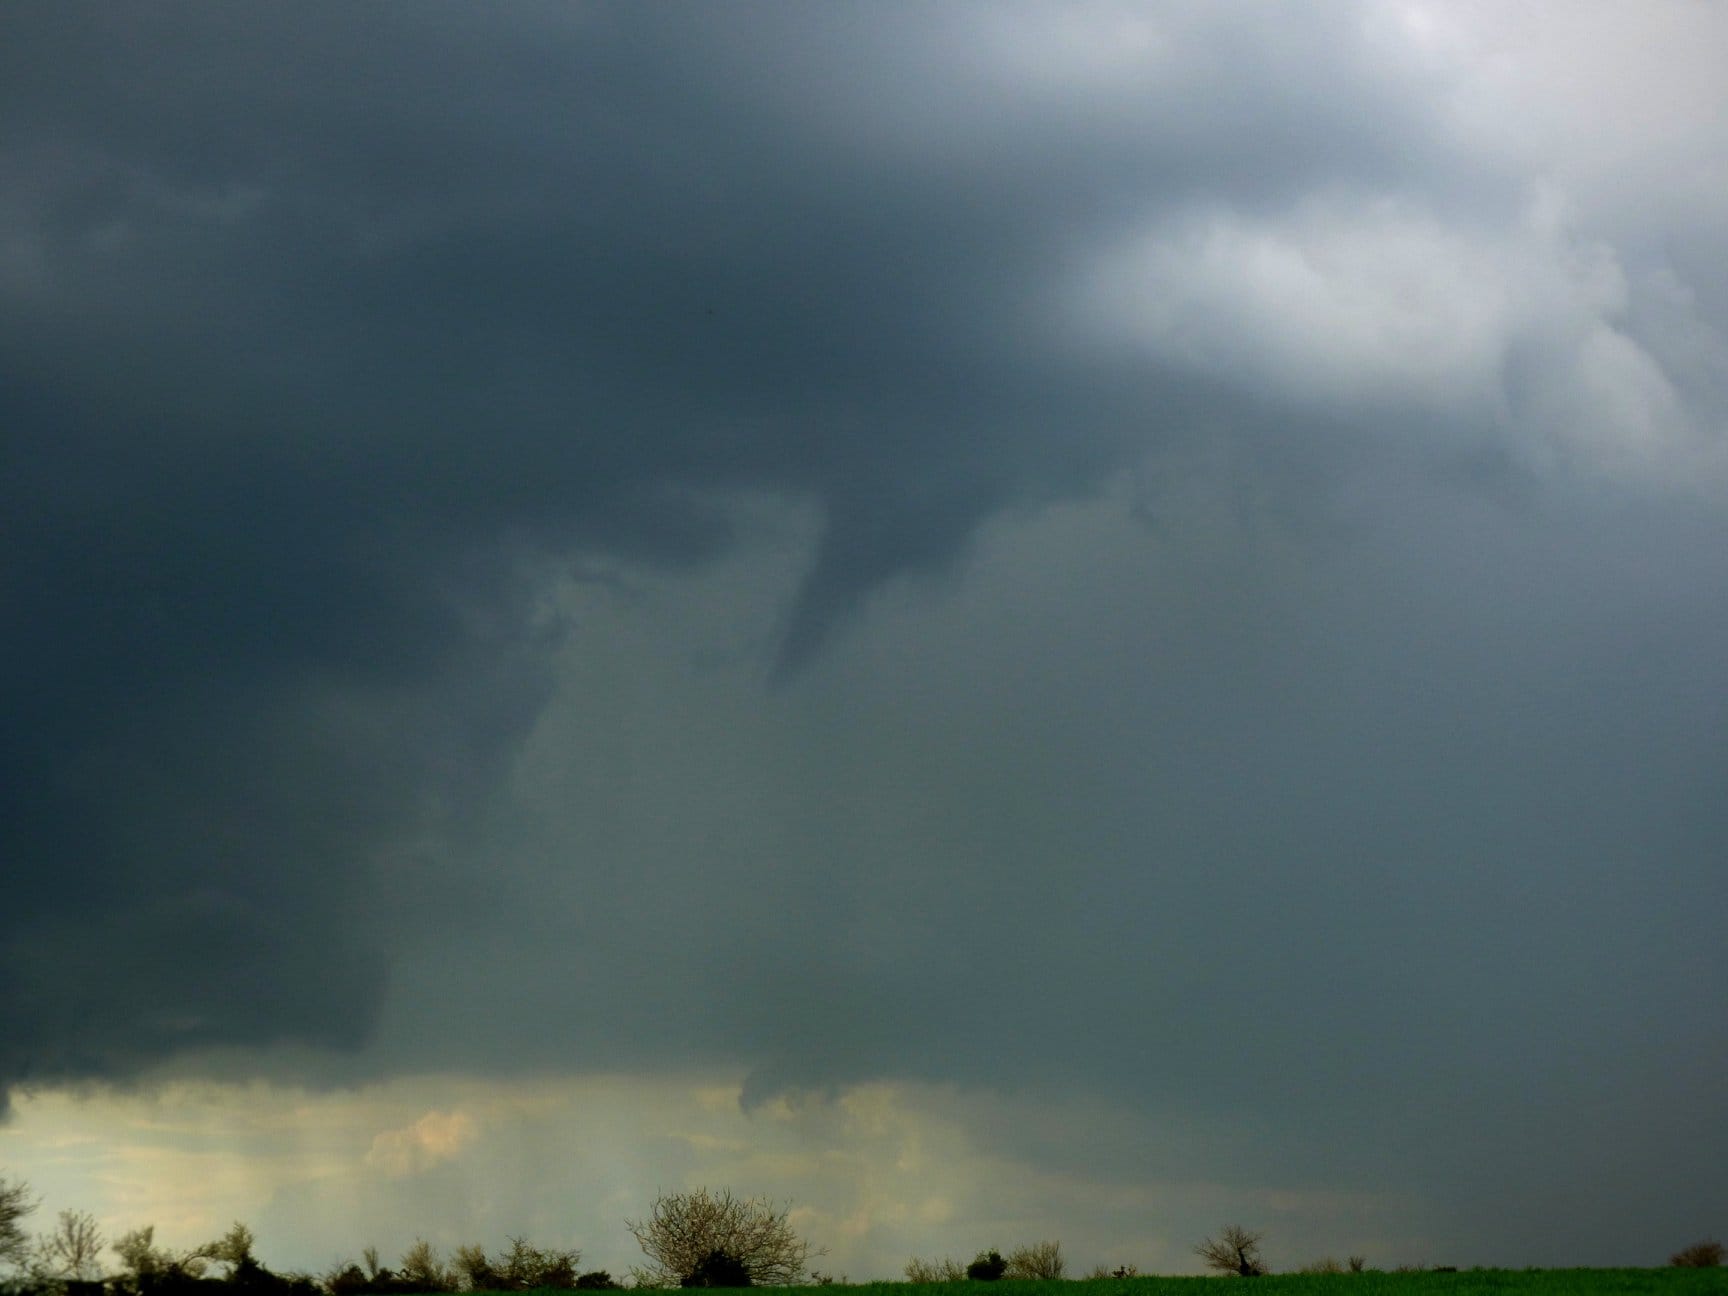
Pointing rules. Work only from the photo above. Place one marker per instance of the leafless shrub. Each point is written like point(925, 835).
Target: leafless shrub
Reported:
point(1329, 1265)
point(1700, 1255)
point(1120, 1271)
point(1040, 1260)
point(683, 1230)
point(934, 1271)
point(1234, 1251)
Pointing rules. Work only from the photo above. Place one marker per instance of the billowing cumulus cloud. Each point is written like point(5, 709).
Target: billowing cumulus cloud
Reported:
point(1133, 555)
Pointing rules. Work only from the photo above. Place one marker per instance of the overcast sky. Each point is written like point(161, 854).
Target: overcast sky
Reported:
point(1006, 620)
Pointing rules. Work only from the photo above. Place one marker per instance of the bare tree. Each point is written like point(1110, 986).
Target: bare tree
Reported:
point(1234, 1251)
point(16, 1204)
point(73, 1249)
point(686, 1232)
point(1040, 1260)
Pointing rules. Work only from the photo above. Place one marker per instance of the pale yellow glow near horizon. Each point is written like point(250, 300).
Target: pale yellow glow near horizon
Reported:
point(875, 1175)
point(189, 1158)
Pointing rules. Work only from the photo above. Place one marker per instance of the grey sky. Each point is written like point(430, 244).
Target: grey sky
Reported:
point(1158, 560)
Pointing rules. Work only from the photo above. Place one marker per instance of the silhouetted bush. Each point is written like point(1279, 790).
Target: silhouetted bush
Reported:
point(520, 1267)
point(1700, 1255)
point(719, 1268)
point(988, 1267)
point(598, 1280)
point(254, 1279)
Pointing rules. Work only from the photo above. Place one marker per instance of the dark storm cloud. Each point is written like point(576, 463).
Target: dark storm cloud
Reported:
point(320, 323)
point(331, 334)
point(1400, 866)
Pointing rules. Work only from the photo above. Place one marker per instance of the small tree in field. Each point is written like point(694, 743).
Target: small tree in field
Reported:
point(1700, 1255)
point(1234, 1251)
point(73, 1249)
point(684, 1232)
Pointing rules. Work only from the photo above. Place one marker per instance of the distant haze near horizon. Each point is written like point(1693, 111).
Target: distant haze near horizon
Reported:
point(1008, 621)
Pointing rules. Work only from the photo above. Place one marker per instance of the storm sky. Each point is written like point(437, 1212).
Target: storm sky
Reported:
point(1009, 620)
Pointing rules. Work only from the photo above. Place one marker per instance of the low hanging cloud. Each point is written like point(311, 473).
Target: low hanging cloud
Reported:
point(789, 539)
point(432, 1140)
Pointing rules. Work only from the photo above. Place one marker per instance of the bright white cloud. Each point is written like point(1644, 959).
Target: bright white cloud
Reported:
point(1356, 305)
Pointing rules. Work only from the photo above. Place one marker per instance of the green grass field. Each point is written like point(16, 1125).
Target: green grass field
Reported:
point(1499, 1282)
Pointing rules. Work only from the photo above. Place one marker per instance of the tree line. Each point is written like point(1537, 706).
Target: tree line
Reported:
point(689, 1239)
point(692, 1239)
